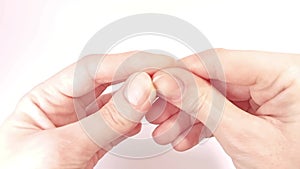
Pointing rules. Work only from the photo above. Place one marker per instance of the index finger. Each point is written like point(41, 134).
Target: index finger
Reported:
point(94, 70)
point(239, 67)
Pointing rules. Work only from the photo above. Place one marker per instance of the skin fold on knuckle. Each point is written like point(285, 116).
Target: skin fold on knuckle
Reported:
point(115, 119)
point(200, 106)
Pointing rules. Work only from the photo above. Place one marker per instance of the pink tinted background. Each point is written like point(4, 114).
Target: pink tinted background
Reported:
point(39, 38)
point(26, 30)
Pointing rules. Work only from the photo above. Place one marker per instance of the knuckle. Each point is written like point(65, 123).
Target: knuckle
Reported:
point(115, 119)
point(200, 105)
point(221, 50)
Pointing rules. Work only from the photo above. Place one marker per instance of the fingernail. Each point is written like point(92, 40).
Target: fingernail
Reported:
point(140, 89)
point(169, 86)
point(152, 97)
point(156, 78)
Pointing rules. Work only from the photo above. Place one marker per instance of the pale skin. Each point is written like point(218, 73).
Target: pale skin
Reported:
point(44, 131)
point(258, 129)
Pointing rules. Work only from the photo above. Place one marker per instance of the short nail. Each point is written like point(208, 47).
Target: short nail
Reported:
point(140, 89)
point(168, 79)
point(156, 78)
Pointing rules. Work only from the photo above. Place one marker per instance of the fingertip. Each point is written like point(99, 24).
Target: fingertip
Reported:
point(184, 145)
point(189, 138)
point(167, 132)
point(157, 135)
point(160, 111)
point(167, 85)
point(135, 130)
point(140, 92)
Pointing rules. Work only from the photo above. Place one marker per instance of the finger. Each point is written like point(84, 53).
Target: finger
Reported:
point(164, 119)
point(233, 92)
point(60, 97)
point(133, 132)
point(239, 67)
point(189, 138)
point(100, 153)
point(90, 97)
point(98, 103)
point(169, 130)
point(116, 118)
point(94, 70)
point(160, 111)
point(244, 105)
point(219, 115)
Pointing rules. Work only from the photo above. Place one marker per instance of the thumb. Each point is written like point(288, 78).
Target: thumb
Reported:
point(117, 118)
point(198, 98)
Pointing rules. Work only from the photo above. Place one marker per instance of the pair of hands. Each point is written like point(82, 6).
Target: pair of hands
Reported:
point(258, 126)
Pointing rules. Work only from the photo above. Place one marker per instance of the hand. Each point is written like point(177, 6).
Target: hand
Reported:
point(45, 132)
point(259, 127)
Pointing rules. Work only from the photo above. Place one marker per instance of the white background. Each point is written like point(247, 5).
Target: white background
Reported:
point(38, 38)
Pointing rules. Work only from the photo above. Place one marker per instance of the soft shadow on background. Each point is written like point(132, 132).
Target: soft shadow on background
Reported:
point(205, 156)
point(39, 38)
